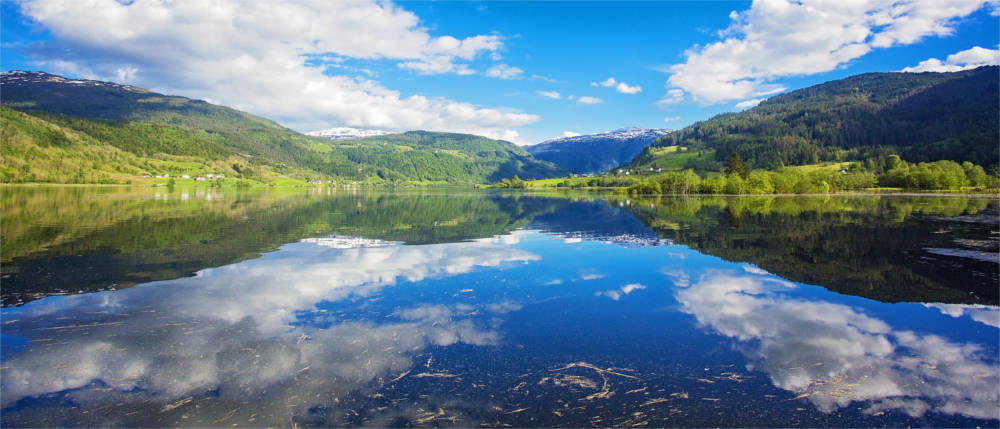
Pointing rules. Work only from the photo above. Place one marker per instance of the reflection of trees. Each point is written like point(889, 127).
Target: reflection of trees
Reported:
point(866, 246)
point(68, 239)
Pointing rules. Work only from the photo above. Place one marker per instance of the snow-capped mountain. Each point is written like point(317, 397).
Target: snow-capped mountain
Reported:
point(344, 133)
point(22, 78)
point(621, 135)
point(596, 153)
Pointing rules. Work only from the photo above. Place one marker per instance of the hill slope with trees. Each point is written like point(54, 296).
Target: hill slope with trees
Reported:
point(60, 123)
point(921, 117)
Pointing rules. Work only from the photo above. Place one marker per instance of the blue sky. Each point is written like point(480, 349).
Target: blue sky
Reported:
point(523, 71)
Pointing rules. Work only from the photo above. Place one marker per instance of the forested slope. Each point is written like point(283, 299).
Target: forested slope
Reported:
point(60, 124)
point(919, 116)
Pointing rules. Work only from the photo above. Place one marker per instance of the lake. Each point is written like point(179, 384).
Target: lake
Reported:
point(340, 307)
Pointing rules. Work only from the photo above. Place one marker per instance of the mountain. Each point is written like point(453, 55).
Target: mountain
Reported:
point(133, 130)
point(919, 116)
point(84, 131)
point(448, 157)
point(345, 133)
point(596, 153)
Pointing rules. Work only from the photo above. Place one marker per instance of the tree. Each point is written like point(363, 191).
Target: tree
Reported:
point(892, 162)
point(735, 165)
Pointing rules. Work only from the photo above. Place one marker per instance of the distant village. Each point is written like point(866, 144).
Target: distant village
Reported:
point(622, 172)
point(639, 171)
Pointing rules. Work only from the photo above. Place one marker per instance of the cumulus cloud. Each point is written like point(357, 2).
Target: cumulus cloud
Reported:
point(625, 89)
point(671, 118)
point(746, 104)
point(673, 96)
point(606, 83)
point(569, 134)
point(589, 100)
point(964, 60)
point(504, 71)
point(621, 87)
point(834, 355)
point(549, 94)
point(268, 58)
point(777, 38)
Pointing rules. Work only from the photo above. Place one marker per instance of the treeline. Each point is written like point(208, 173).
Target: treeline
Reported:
point(515, 183)
point(924, 176)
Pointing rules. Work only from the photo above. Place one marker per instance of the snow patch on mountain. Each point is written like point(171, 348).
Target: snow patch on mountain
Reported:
point(596, 153)
point(21, 77)
point(621, 134)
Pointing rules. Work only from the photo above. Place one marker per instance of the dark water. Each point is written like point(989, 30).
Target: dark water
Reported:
point(317, 308)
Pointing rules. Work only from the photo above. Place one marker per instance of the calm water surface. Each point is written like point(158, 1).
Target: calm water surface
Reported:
point(337, 308)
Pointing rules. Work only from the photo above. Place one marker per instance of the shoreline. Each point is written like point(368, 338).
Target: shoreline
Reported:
point(941, 193)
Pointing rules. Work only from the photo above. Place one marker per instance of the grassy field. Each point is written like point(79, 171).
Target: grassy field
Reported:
point(675, 158)
point(825, 166)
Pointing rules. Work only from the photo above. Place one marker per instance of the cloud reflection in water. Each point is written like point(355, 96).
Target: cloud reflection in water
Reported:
point(233, 332)
point(833, 354)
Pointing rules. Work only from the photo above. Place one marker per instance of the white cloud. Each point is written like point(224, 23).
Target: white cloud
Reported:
point(569, 134)
point(549, 94)
point(673, 96)
point(964, 60)
point(746, 104)
point(126, 74)
point(253, 55)
point(671, 118)
point(625, 89)
point(504, 71)
point(544, 79)
point(777, 38)
point(621, 87)
point(589, 100)
point(607, 83)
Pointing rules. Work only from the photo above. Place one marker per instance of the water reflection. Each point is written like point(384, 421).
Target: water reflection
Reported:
point(255, 330)
point(63, 240)
point(931, 249)
point(833, 354)
point(432, 310)
point(984, 314)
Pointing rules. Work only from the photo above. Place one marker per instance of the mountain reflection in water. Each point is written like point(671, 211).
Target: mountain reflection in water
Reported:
point(538, 316)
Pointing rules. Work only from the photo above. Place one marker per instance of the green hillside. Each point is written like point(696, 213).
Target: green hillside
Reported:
point(38, 150)
point(432, 156)
point(82, 131)
point(919, 116)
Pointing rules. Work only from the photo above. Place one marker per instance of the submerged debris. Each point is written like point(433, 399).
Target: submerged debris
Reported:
point(433, 375)
point(177, 404)
point(603, 392)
